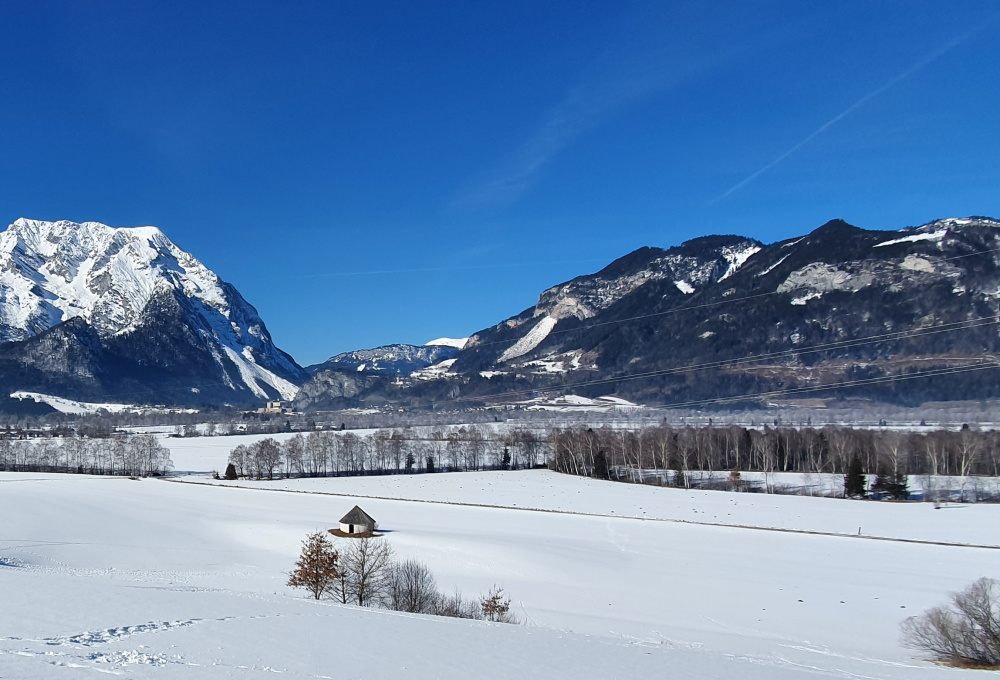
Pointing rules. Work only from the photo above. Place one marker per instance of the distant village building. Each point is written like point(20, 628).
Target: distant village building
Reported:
point(357, 521)
point(273, 407)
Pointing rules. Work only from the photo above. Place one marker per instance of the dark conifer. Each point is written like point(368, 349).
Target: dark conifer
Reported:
point(893, 486)
point(854, 480)
point(601, 465)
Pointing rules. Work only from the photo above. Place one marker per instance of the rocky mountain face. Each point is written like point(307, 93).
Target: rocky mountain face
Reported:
point(378, 376)
point(392, 359)
point(96, 313)
point(726, 317)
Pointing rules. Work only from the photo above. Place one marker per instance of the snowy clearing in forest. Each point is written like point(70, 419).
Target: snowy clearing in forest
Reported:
point(162, 579)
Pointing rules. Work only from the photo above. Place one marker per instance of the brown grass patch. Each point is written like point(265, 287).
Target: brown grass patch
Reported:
point(342, 534)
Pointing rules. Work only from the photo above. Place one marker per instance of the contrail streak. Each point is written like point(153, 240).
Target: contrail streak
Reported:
point(418, 270)
point(858, 104)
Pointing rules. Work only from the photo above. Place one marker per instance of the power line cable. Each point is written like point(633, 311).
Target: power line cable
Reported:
point(840, 385)
point(845, 344)
point(699, 306)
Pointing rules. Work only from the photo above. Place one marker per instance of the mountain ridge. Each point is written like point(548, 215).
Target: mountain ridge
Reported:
point(637, 327)
point(395, 359)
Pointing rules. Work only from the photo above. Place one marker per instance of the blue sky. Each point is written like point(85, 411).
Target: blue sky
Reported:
point(377, 172)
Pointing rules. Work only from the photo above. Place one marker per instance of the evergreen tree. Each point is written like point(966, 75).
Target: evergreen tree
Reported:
point(231, 472)
point(430, 463)
point(854, 480)
point(893, 486)
point(601, 465)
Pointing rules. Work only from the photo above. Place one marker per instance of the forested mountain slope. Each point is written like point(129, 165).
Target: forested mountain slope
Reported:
point(726, 317)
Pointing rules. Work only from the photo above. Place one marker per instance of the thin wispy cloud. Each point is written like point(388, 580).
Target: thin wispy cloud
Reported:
point(892, 82)
point(649, 58)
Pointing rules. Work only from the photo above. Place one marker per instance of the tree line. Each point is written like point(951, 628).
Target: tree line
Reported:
point(364, 571)
point(137, 456)
point(628, 453)
point(329, 453)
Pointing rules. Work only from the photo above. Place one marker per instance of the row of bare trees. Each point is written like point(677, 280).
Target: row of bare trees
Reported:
point(138, 455)
point(326, 453)
point(625, 453)
point(628, 453)
point(365, 572)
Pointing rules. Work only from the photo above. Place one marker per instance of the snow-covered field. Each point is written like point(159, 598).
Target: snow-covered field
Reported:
point(166, 579)
point(551, 491)
point(204, 454)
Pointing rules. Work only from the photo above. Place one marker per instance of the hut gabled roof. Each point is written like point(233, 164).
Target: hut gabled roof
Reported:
point(357, 516)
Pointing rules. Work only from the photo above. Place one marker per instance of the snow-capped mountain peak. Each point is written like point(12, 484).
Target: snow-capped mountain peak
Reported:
point(51, 272)
point(56, 271)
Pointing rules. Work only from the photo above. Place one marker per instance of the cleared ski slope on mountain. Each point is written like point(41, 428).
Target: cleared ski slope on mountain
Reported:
point(159, 579)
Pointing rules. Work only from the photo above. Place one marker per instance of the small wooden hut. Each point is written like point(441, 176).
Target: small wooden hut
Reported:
point(357, 521)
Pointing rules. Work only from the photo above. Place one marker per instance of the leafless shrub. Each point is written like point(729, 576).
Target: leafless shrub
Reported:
point(365, 572)
point(456, 606)
point(964, 633)
point(412, 588)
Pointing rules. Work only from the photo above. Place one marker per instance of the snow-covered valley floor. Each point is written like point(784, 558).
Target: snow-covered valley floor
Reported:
point(165, 579)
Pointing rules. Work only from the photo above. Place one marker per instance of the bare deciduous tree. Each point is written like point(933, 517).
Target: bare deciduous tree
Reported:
point(240, 457)
point(964, 633)
point(367, 562)
point(412, 588)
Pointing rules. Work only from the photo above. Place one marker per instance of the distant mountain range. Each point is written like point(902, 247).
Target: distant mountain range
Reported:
point(391, 359)
point(857, 312)
point(94, 313)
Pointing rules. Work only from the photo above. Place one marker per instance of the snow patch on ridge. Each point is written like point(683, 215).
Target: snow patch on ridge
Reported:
point(806, 298)
point(773, 266)
point(912, 238)
point(530, 341)
point(457, 343)
point(438, 370)
point(69, 405)
point(74, 407)
point(736, 257)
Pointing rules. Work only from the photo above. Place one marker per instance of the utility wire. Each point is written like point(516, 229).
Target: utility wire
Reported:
point(704, 305)
point(979, 366)
point(752, 358)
